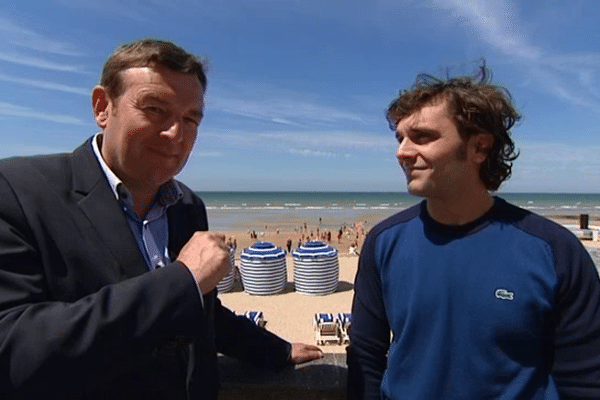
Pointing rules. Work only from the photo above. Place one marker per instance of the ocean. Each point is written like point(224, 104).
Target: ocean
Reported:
point(253, 210)
point(229, 211)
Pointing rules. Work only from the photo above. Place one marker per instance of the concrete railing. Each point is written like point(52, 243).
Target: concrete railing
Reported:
point(324, 379)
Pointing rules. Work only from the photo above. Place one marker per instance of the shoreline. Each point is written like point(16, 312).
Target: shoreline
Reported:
point(290, 314)
point(278, 231)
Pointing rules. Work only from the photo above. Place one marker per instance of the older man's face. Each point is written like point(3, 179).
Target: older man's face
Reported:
point(150, 129)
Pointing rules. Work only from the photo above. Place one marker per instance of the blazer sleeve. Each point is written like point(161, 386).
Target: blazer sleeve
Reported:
point(45, 343)
point(235, 336)
point(238, 337)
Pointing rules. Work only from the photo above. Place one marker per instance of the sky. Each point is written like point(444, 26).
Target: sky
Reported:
point(298, 90)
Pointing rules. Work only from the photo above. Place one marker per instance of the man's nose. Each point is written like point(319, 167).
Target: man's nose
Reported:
point(405, 149)
point(173, 131)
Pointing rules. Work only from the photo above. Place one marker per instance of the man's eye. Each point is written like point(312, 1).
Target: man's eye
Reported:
point(192, 121)
point(421, 138)
point(156, 110)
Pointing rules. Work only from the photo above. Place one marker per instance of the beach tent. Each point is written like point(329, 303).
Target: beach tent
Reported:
point(316, 268)
point(226, 284)
point(263, 269)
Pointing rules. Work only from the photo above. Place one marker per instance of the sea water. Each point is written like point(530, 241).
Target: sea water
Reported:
point(331, 210)
point(242, 210)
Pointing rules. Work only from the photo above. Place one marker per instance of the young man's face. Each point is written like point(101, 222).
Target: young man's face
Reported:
point(437, 162)
point(150, 129)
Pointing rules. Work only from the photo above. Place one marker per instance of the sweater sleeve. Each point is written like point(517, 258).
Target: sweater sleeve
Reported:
point(369, 331)
point(576, 366)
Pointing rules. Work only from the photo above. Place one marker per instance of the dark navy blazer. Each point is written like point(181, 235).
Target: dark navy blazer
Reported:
point(80, 314)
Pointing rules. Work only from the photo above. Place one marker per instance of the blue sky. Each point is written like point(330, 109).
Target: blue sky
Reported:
point(298, 89)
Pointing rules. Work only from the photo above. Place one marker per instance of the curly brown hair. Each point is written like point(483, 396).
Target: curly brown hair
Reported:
point(147, 53)
point(476, 107)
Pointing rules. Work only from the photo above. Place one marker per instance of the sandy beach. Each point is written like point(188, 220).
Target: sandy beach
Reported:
point(290, 314)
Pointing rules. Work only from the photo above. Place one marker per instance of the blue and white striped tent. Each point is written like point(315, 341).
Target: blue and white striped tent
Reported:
point(263, 269)
point(316, 268)
point(226, 284)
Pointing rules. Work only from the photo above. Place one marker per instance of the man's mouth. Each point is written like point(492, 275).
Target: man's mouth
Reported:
point(163, 153)
point(411, 169)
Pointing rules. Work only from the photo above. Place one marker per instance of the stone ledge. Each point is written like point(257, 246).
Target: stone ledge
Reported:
point(323, 379)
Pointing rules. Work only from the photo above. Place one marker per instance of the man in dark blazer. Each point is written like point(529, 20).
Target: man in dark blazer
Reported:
point(107, 271)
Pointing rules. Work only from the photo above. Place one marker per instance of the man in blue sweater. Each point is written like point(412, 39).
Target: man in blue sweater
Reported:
point(465, 296)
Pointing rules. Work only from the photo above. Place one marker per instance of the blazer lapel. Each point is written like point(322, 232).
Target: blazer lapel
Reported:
point(97, 201)
point(184, 219)
point(179, 230)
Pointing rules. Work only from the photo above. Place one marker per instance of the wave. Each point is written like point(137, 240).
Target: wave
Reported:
point(308, 208)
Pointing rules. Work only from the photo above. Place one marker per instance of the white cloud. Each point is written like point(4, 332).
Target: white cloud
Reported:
point(338, 142)
point(45, 85)
point(262, 115)
point(315, 144)
point(495, 21)
point(312, 153)
point(547, 166)
point(283, 121)
point(335, 140)
point(559, 155)
point(284, 111)
point(267, 102)
point(573, 78)
point(19, 111)
point(21, 151)
point(40, 63)
point(136, 11)
point(570, 77)
point(208, 154)
point(11, 32)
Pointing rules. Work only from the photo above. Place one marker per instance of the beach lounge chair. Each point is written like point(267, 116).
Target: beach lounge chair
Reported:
point(257, 317)
point(327, 328)
point(344, 320)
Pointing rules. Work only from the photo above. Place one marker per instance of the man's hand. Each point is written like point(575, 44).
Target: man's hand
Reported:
point(207, 257)
point(302, 353)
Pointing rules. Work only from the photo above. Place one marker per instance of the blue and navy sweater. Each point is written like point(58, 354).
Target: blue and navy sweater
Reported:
point(505, 307)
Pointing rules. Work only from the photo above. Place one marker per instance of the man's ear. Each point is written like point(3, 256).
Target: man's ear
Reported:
point(482, 143)
point(100, 105)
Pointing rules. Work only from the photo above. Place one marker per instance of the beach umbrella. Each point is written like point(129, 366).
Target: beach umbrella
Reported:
point(316, 268)
point(263, 269)
point(226, 284)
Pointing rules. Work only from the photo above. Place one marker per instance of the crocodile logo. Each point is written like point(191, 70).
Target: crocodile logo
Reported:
point(504, 294)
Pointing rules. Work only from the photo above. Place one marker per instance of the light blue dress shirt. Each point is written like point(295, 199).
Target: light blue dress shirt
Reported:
point(152, 232)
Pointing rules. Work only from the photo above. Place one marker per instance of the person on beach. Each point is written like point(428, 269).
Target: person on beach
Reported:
point(107, 270)
point(465, 296)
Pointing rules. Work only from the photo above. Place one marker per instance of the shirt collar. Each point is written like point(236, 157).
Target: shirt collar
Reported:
point(168, 194)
